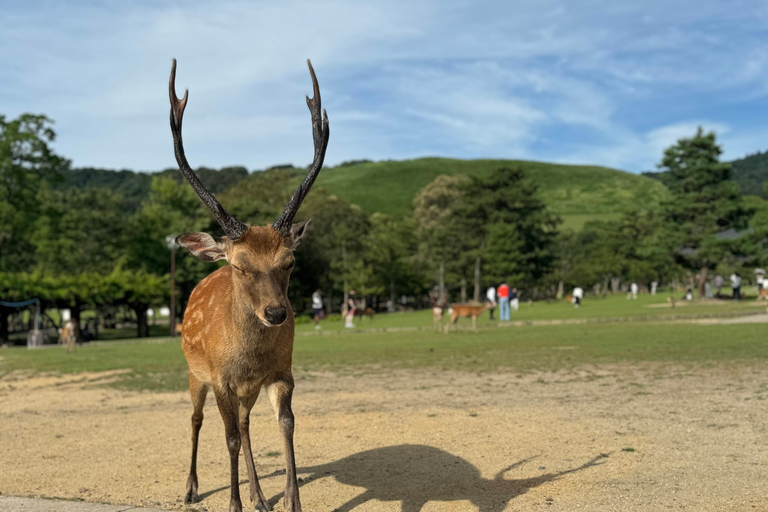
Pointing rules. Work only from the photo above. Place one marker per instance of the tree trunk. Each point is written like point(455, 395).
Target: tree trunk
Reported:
point(75, 312)
point(441, 280)
point(392, 297)
point(703, 281)
point(463, 291)
point(4, 312)
point(560, 288)
point(477, 280)
point(142, 328)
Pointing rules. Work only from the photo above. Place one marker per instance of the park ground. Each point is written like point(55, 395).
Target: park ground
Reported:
point(620, 405)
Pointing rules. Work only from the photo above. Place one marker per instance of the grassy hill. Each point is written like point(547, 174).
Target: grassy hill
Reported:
point(750, 173)
point(577, 193)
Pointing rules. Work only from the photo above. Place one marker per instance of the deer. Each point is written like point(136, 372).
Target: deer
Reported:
point(69, 334)
point(438, 308)
point(465, 310)
point(238, 327)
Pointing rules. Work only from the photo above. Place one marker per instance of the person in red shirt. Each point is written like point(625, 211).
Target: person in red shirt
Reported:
point(503, 292)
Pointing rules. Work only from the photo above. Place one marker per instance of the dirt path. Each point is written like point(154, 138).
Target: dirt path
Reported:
point(414, 440)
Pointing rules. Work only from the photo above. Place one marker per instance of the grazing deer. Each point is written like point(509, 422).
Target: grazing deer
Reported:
point(238, 326)
point(466, 311)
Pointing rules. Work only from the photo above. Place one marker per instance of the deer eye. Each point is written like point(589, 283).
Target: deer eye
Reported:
point(290, 265)
point(237, 268)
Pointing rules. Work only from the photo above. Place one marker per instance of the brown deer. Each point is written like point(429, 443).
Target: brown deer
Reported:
point(238, 328)
point(465, 310)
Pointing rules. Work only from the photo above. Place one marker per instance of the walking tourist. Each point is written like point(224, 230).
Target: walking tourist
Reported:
point(317, 305)
point(491, 296)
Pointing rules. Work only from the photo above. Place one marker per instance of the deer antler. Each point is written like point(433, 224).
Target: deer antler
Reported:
point(232, 227)
point(320, 134)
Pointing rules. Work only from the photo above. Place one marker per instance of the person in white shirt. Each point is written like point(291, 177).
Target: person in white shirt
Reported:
point(317, 305)
point(578, 294)
point(633, 288)
point(736, 285)
point(491, 296)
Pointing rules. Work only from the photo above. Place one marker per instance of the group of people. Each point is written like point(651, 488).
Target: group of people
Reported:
point(350, 309)
point(506, 298)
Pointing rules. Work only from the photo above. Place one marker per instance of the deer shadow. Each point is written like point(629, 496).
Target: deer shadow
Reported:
point(407, 473)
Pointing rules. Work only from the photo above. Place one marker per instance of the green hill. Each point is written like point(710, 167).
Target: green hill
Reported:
point(750, 173)
point(576, 193)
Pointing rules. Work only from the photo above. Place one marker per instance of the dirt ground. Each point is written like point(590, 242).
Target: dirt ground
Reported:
point(622, 438)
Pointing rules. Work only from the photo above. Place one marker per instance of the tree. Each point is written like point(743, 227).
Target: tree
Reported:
point(444, 233)
point(519, 233)
point(26, 160)
point(78, 231)
point(704, 202)
point(497, 217)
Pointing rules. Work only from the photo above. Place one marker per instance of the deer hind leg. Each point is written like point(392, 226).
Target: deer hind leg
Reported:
point(198, 392)
point(228, 407)
point(257, 495)
point(280, 394)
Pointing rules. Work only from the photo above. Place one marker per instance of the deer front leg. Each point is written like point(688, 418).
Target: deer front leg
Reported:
point(257, 495)
point(227, 402)
point(198, 392)
point(280, 394)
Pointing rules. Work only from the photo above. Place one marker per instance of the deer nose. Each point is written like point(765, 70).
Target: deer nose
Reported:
point(275, 315)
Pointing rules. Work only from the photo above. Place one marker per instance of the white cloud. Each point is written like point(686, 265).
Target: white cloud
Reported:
point(589, 81)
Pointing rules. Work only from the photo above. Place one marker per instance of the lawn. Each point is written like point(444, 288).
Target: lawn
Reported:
point(616, 307)
point(160, 365)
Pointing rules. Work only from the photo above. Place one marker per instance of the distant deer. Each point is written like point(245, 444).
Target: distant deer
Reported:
point(238, 328)
point(69, 334)
point(464, 310)
point(438, 308)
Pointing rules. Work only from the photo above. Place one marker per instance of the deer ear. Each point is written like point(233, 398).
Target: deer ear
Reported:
point(203, 246)
point(298, 231)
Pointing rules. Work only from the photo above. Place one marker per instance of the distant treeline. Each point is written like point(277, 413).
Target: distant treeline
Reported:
point(749, 173)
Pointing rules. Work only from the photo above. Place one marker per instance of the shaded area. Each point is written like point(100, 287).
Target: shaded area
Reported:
point(418, 474)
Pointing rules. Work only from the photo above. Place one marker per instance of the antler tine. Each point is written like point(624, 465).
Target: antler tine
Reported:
point(232, 227)
point(320, 134)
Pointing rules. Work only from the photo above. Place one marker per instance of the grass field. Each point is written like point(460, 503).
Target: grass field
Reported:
point(159, 364)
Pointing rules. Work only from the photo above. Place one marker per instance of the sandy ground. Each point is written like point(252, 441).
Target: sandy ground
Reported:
point(622, 438)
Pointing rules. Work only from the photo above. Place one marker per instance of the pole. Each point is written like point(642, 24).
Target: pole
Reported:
point(441, 281)
point(344, 262)
point(172, 314)
point(477, 280)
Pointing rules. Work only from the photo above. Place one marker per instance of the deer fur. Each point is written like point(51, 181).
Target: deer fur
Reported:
point(238, 327)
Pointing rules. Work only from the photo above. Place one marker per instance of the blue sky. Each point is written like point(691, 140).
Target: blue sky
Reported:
point(589, 82)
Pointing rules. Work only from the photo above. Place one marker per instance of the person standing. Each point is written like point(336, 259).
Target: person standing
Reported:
point(317, 305)
point(654, 286)
point(503, 293)
point(736, 285)
point(514, 300)
point(633, 288)
point(578, 294)
point(491, 296)
point(718, 282)
point(351, 310)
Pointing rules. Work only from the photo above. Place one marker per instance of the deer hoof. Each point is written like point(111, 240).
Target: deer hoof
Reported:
point(191, 497)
